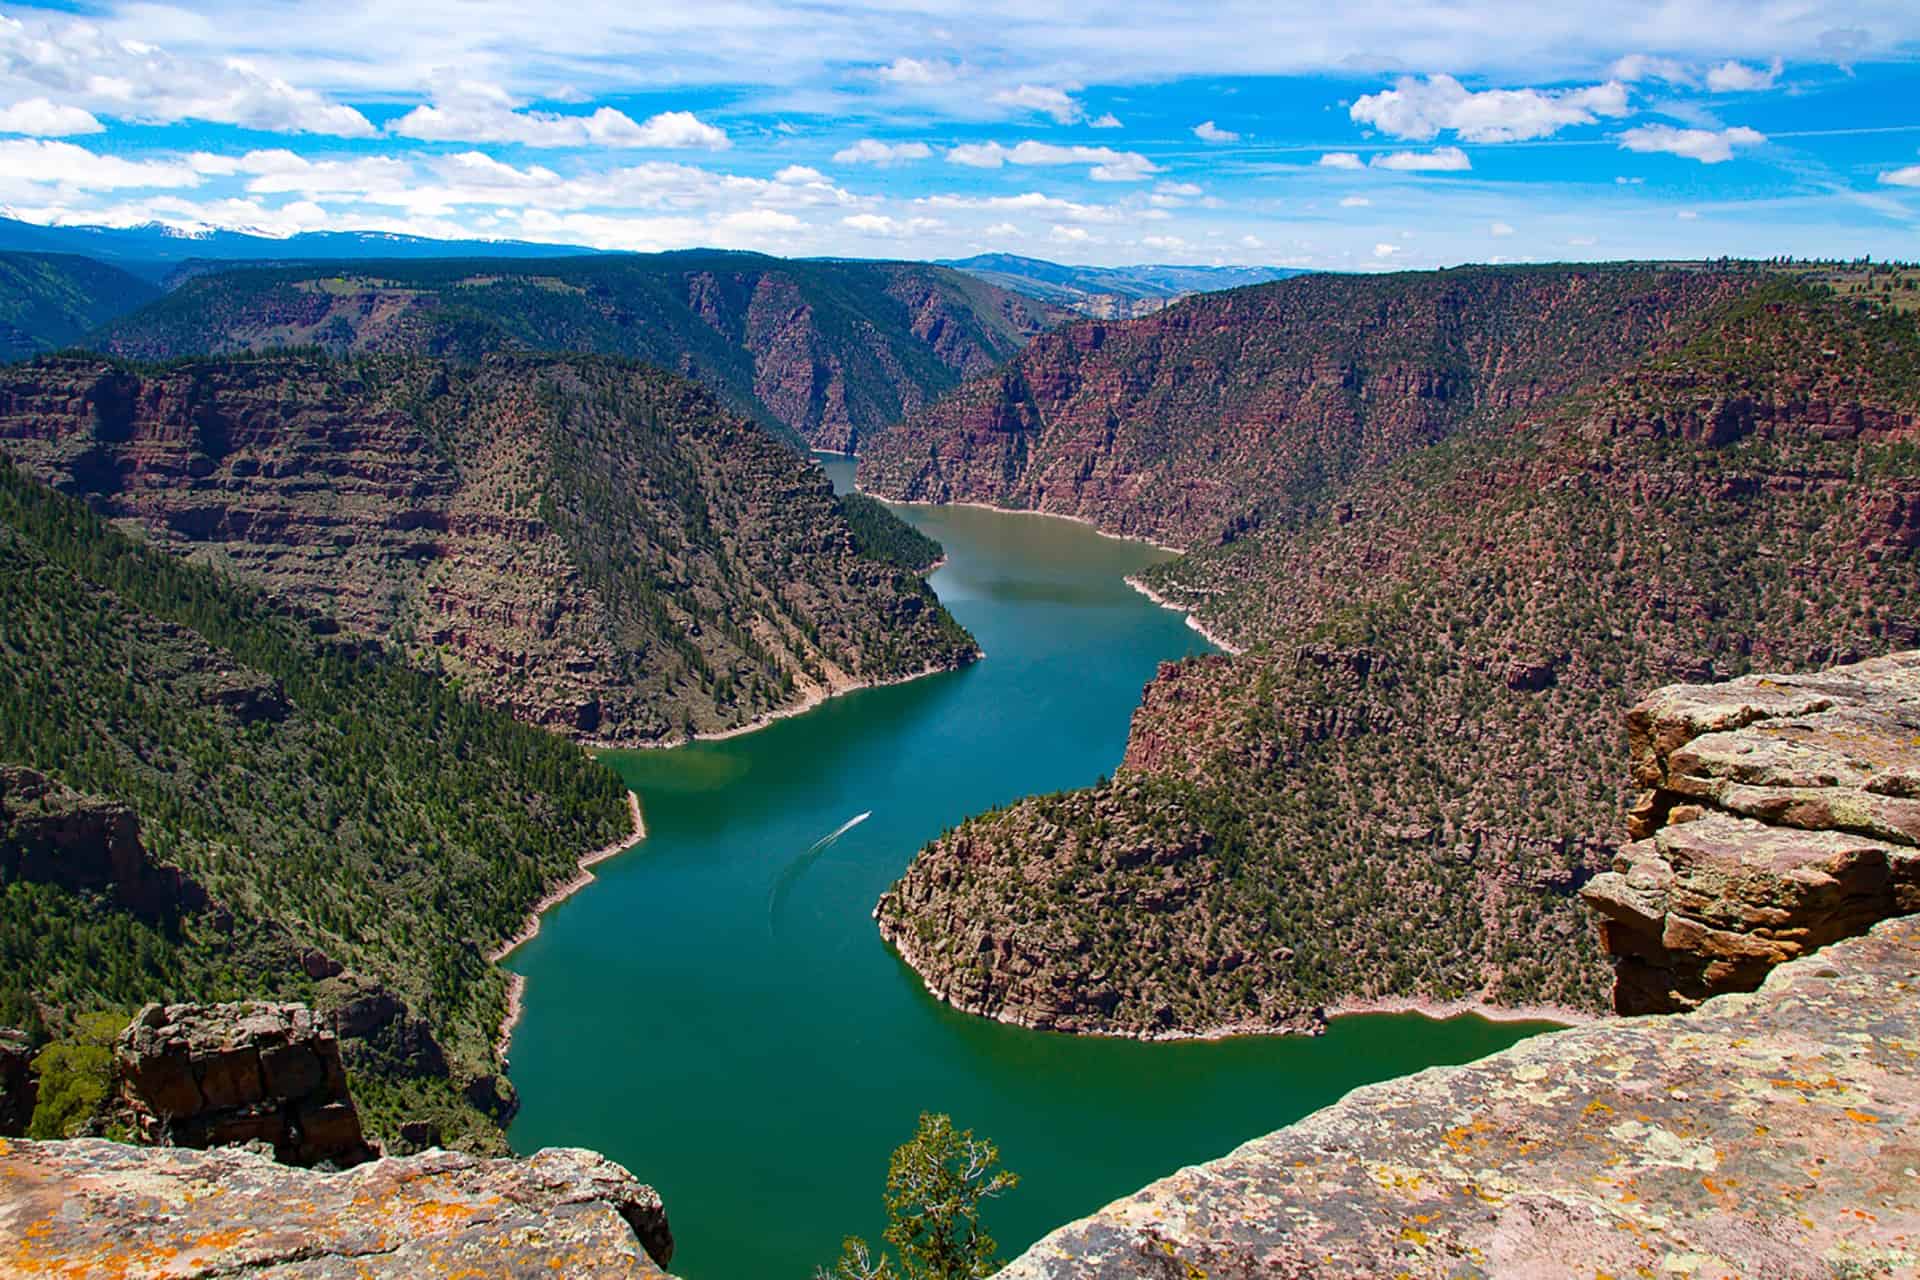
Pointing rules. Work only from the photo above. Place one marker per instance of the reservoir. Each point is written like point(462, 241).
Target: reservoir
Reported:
point(718, 1013)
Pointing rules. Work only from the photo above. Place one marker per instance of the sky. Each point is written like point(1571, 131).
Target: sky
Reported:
point(1359, 136)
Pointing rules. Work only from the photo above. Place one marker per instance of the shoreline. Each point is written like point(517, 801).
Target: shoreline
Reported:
point(1310, 1023)
point(1023, 511)
point(1211, 638)
point(814, 698)
point(582, 877)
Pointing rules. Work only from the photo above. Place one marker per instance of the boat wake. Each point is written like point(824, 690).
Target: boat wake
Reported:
point(790, 875)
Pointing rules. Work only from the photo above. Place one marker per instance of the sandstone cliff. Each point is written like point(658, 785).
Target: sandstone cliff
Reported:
point(1397, 792)
point(1764, 1135)
point(1773, 815)
point(99, 1208)
point(595, 546)
point(825, 352)
point(1231, 410)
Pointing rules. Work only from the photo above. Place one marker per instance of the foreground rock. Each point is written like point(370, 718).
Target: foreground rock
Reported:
point(1764, 1135)
point(1775, 814)
point(227, 1074)
point(99, 1208)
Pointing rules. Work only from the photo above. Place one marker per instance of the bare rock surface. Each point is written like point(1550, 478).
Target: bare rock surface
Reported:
point(226, 1074)
point(1773, 815)
point(92, 1207)
point(1766, 1134)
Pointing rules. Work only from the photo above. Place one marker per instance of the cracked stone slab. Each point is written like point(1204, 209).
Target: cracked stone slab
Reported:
point(94, 1208)
point(1771, 1134)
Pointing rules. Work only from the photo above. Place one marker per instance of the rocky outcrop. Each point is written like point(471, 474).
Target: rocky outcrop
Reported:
point(18, 1088)
point(51, 834)
point(596, 547)
point(1775, 814)
point(230, 1074)
point(99, 1208)
point(1764, 1135)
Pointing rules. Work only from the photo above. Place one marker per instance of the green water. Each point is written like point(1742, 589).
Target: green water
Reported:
point(757, 1066)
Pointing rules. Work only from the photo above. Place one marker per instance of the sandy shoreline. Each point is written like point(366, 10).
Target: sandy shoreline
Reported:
point(516, 984)
point(1044, 515)
point(1211, 638)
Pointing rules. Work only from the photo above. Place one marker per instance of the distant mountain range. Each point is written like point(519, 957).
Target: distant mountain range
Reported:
point(156, 251)
point(1111, 293)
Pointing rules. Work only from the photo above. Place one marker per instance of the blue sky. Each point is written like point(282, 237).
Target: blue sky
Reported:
point(1356, 137)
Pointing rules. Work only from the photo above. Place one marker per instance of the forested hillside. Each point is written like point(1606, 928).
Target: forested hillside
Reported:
point(1396, 791)
point(592, 544)
point(327, 806)
point(50, 300)
point(826, 352)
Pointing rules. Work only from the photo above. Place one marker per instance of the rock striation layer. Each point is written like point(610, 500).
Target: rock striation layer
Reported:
point(230, 1074)
point(1774, 814)
point(91, 1207)
point(1767, 1134)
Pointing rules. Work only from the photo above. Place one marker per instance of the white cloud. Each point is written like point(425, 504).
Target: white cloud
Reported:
point(1708, 146)
point(1208, 131)
point(1907, 177)
point(472, 112)
point(1058, 103)
point(1106, 120)
point(1069, 235)
point(1166, 244)
point(1340, 160)
point(1107, 165)
point(1421, 110)
point(873, 151)
point(1686, 215)
point(1006, 230)
point(1036, 202)
point(1355, 202)
point(80, 66)
point(64, 165)
point(45, 119)
point(1500, 229)
point(914, 71)
point(1439, 160)
point(878, 224)
point(1644, 66)
point(1738, 77)
point(1385, 250)
point(1252, 242)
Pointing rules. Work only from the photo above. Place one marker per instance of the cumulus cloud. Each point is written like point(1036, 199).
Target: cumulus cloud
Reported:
point(1058, 103)
point(1500, 229)
point(1105, 120)
point(484, 113)
point(879, 224)
point(1907, 177)
point(1208, 131)
point(1040, 203)
point(82, 68)
point(1340, 160)
point(873, 151)
point(26, 164)
point(1422, 109)
point(1708, 146)
point(1107, 165)
point(1356, 202)
point(1438, 160)
point(1738, 77)
point(1385, 250)
point(45, 119)
point(915, 71)
point(1644, 66)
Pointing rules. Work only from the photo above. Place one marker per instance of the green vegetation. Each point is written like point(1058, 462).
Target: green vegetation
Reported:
point(1398, 789)
point(76, 1075)
point(776, 340)
point(936, 1183)
point(48, 300)
point(365, 809)
point(880, 535)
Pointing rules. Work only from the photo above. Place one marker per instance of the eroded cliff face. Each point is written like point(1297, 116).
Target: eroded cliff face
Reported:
point(1225, 411)
point(1763, 1135)
point(597, 547)
point(91, 1207)
point(1774, 814)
